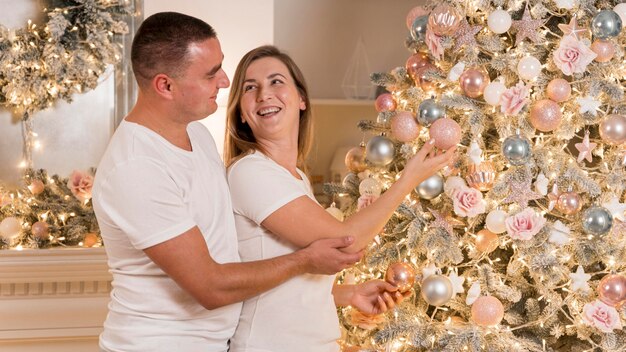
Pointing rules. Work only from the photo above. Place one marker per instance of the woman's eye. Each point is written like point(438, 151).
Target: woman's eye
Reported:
point(247, 88)
point(276, 80)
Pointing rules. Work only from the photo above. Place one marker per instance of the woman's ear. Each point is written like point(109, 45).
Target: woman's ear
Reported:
point(302, 104)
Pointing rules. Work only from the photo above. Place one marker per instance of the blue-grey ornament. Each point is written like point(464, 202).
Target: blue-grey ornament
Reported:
point(430, 111)
point(606, 24)
point(597, 221)
point(380, 151)
point(418, 29)
point(430, 187)
point(516, 149)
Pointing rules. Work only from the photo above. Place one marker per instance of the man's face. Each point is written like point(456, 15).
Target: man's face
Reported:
point(196, 88)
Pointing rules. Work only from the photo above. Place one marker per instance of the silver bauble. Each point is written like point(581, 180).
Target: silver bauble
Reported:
point(437, 290)
point(351, 181)
point(606, 24)
point(430, 187)
point(597, 220)
point(418, 29)
point(380, 151)
point(516, 149)
point(430, 111)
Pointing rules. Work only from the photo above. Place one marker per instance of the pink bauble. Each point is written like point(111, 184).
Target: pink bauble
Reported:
point(486, 241)
point(446, 132)
point(604, 50)
point(473, 82)
point(444, 20)
point(559, 90)
point(385, 102)
point(613, 129)
point(404, 127)
point(612, 290)
point(569, 203)
point(40, 230)
point(355, 159)
point(415, 62)
point(401, 275)
point(417, 11)
point(487, 311)
point(545, 115)
point(36, 187)
point(421, 77)
point(10, 227)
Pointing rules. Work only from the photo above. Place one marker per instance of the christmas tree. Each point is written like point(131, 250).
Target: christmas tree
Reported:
point(520, 245)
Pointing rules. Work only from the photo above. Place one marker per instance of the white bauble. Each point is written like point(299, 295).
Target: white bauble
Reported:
point(528, 68)
point(499, 21)
point(453, 183)
point(495, 221)
point(493, 92)
point(10, 227)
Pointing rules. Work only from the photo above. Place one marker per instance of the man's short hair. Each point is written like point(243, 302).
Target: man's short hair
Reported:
point(161, 42)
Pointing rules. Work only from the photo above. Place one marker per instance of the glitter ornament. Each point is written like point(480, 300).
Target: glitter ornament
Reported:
point(597, 221)
point(90, 240)
point(437, 290)
point(499, 21)
point(493, 91)
point(370, 187)
point(36, 187)
point(545, 115)
point(430, 187)
point(355, 159)
point(446, 132)
point(613, 129)
point(466, 35)
point(528, 68)
point(404, 127)
point(401, 275)
point(569, 203)
point(415, 62)
point(604, 50)
point(430, 111)
point(559, 90)
point(495, 221)
point(486, 241)
point(481, 176)
point(40, 230)
point(606, 24)
point(380, 151)
point(473, 82)
point(527, 27)
point(385, 102)
point(516, 149)
point(444, 20)
point(10, 227)
point(612, 290)
point(487, 311)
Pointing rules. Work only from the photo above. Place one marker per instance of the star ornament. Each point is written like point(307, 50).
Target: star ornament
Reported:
point(553, 197)
point(616, 208)
point(457, 283)
point(521, 194)
point(585, 148)
point(579, 280)
point(588, 104)
point(527, 27)
point(559, 234)
point(541, 184)
point(572, 28)
point(466, 35)
point(444, 221)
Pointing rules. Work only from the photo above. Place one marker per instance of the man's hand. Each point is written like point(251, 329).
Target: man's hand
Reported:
point(326, 257)
point(376, 297)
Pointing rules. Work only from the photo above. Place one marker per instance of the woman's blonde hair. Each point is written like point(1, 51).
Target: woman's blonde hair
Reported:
point(239, 140)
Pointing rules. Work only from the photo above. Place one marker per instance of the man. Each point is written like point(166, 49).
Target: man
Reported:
point(164, 210)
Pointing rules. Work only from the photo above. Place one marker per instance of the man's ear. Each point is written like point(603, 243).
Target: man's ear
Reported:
point(162, 85)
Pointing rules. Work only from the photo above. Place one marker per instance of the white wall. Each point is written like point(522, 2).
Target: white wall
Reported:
point(240, 25)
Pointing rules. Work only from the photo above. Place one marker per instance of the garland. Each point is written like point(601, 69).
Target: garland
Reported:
point(67, 55)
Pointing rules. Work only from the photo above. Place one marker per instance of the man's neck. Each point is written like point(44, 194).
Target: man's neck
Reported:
point(162, 124)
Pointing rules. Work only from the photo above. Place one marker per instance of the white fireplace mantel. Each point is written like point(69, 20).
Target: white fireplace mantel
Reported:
point(53, 300)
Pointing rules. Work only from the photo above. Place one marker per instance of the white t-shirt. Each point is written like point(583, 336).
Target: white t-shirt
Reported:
point(148, 191)
point(300, 314)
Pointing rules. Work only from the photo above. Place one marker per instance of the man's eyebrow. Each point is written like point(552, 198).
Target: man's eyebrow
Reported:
point(216, 68)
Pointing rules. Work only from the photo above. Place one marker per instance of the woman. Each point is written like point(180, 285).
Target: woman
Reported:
point(268, 136)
